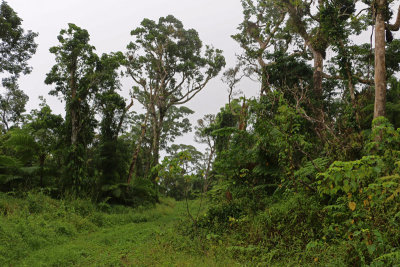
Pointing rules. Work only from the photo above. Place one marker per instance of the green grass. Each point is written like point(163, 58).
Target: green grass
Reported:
point(40, 231)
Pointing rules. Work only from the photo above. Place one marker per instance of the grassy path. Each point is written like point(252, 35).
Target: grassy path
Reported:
point(150, 243)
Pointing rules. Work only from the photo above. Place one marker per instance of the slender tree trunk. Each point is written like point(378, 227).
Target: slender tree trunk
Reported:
point(138, 146)
point(380, 61)
point(42, 158)
point(206, 176)
point(73, 109)
point(351, 87)
point(243, 116)
point(121, 120)
point(317, 75)
point(317, 80)
point(264, 81)
point(352, 92)
point(158, 120)
point(74, 125)
point(156, 143)
point(3, 115)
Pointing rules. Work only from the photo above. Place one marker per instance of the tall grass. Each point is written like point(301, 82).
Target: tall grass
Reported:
point(36, 230)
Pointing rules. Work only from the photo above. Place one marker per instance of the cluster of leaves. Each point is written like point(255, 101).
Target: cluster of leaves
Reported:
point(179, 175)
point(362, 198)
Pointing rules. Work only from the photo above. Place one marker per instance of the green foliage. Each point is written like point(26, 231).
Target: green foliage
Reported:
point(353, 220)
point(112, 153)
point(363, 198)
point(261, 160)
point(38, 230)
point(219, 218)
point(286, 71)
point(179, 173)
point(17, 45)
point(34, 148)
point(350, 177)
point(285, 228)
point(140, 192)
point(12, 105)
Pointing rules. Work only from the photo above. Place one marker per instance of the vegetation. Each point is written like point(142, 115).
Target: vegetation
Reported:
point(38, 230)
point(305, 174)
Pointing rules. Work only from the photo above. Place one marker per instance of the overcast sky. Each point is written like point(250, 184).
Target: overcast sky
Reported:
point(109, 24)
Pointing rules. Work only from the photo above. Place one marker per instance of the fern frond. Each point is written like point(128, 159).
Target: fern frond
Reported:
point(7, 162)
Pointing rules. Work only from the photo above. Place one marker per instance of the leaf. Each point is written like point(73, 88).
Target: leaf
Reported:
point(352, 206)
point(371, 249)
point(346, 186)
point(395, 193)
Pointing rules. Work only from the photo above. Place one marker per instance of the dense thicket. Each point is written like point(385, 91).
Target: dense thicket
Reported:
point(310, 177)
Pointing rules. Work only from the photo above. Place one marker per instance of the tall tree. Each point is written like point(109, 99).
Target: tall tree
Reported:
point(383, 32)
point(17, 47)
point(280, 38)
point(75, 82)
point(169, 66)
point(44, 127)
point(321, 24)
point(113, 110)
point(381, 9)
point(260, 31)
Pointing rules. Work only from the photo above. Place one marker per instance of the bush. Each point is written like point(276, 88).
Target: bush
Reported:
point(140, 192)
point(219, 217)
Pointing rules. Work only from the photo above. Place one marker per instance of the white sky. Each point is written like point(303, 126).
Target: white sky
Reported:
point(109, 24)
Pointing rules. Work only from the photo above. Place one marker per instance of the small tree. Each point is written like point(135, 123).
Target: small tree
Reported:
point(12, 104)
point(203, 135)
point(35, 143)
point(178, 172)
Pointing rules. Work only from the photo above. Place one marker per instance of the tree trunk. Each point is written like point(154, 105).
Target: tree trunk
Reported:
point(317, 80)
point(74, 125)
point(206, 176)
point(380, 61)
point(243, 116)
point(136, 153)
point(73, 109)
point(42, 158)
point(264, 81)
point(317, 75)
point(157, 128)
point(121, 120)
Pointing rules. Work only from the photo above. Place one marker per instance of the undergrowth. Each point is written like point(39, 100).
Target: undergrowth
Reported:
point(36, 230)
point(37, 221)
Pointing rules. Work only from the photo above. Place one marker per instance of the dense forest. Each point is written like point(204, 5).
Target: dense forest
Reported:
point(305, 173)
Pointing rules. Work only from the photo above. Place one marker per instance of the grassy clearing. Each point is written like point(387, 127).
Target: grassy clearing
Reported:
point(39, 231)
